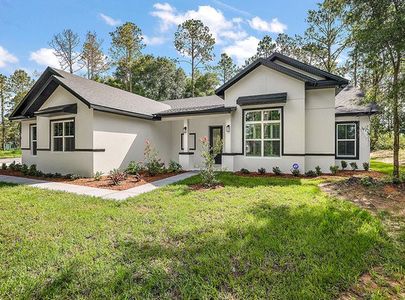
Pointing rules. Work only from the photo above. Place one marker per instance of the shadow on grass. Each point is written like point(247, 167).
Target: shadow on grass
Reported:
point(281, 252)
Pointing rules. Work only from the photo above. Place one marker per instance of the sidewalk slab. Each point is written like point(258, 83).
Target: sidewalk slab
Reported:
point(95, 192)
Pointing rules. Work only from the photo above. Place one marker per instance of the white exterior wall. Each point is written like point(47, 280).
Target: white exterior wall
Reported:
point(61, 162)
point(266, 81)
point(319, 128)
point(123, 139)
point(364, 140)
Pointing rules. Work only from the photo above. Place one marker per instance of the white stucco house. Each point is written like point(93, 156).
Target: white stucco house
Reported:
point(276, 112)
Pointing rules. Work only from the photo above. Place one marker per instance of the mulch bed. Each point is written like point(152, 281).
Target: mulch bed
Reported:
point(104, 183)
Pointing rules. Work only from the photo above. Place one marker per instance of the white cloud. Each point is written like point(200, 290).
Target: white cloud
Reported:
point(274, 26)
point(45, 57)
point(109, 20)
point(220, 27)
point(154, 40)
point(242, 49)
point(6, 58)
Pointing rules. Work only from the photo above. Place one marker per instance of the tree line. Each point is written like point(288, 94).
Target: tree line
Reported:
point(369, 34)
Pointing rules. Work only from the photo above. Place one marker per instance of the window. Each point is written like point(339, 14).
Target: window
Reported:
point(63, 136)
point(346, 139)
point(191, 141)
point(34, 140)
point(263, 133)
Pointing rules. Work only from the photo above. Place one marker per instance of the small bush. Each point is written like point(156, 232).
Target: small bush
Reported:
point(24, 169)
point(367, 181)
point(310, 173)
point(318, 171)
point(295, 172)
point(3, 166)
point(334, 169)
point(276, 170)
point(75, 176)
point(244, 171)
point(354, 166)
point(134, 167)
point(97, 175)
point(366, 166)
point(116, 176)
point(59, 175)
point(343, 163)
point(12, 166)
point(174, 167)
point(153, 164)
point(261, 171)
point(33, 170)
point(51, 175)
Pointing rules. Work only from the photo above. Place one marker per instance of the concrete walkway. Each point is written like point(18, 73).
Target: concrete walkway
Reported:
point(96, 192)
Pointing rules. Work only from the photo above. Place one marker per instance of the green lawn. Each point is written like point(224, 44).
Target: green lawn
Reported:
point(254, 238)
point(10, 153)
point(383, 167)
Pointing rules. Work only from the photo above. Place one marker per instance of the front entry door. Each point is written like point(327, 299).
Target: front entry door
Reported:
point(215, 133)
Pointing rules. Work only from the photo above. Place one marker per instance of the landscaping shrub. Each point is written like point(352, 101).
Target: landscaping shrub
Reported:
point(3, 166)
point(261, 171)
point(134, 167)
point(367, 181)
point(51, 175)
point(24, 169)
point(244, 171)
point(12, 166)
point(295, 172)
point(75, 176)
point(174, 167)
point(318, 171)
point(59, 175)
point(33, 170)
point(116, 176)
point(334, 169)
point(366, 166)
point(276, 170)
point(208, 154)
point(153, 163)
point(343, 164)
point(97, 175)
point(354, 166)
point(310, 173)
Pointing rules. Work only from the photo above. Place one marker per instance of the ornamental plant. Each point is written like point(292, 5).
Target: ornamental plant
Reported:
point(208, 155)
point(276, 170)
point(153, 164)
point(343, 164)
point(334, 169)
point(318, 171)
point(116, 176)
point(354, 166)
point(366, 166)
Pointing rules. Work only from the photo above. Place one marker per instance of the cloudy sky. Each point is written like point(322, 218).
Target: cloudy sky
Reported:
point(26, 27)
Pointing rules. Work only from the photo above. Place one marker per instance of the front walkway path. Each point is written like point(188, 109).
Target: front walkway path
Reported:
point(96, 192)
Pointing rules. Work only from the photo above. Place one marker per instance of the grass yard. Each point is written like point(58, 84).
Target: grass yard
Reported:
point(383, 167)
point(254, 238)
point(10, 153)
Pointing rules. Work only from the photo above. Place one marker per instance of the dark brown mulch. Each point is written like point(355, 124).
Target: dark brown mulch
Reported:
point(130, 182)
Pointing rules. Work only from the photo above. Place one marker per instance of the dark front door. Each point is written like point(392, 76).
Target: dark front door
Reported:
point(216, 133)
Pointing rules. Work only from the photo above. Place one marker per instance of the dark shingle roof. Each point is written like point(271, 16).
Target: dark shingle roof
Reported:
point(349, 102)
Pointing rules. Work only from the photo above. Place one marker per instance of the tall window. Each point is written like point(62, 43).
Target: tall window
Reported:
point(346, 140)
point(263, 132)
point(34, 140)
point(63, 135)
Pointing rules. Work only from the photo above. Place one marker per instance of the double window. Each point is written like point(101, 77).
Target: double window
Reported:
point(346, 140)
point(63, 135)
point(263, 132)
point(34, 143)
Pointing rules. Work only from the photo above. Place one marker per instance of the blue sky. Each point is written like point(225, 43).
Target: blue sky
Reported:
point(26, 27)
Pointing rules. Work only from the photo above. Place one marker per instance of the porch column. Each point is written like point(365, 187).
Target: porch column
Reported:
point(228, 157)
point(185, 157)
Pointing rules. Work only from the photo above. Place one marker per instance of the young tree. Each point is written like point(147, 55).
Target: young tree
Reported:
point(325, 36)
point(20, 83)
point(93, 57)
point(226, 68)
point(194, 41)
point(4, 97)
point(65, 46)
point(126, 46)
point(378, 26)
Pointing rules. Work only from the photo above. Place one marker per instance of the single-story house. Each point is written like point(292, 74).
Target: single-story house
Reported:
point(276, 112)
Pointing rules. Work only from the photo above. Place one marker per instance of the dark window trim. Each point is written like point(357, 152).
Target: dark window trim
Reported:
point(50, 133)
point(186, 153)
point(30, 139)
point(195, 141)
point(282, 129)
point(356, 157)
